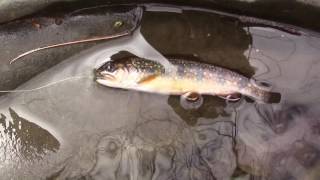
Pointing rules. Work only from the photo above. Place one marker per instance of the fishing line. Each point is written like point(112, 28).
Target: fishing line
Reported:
point(44, 86)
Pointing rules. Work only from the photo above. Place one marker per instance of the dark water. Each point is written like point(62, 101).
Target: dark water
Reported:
point(69, 127)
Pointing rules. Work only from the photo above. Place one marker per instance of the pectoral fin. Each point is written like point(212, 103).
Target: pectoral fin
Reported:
point(147, 79)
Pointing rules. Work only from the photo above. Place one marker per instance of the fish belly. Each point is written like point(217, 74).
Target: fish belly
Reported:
point(168, 85)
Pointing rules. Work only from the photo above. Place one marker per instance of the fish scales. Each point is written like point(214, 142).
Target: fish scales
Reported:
point(193, 74)
point(208, 73)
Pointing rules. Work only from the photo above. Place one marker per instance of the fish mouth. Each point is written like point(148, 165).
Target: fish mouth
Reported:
point(105, 76)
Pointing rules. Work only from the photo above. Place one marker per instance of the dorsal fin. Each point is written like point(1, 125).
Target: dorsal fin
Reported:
point(122, 55)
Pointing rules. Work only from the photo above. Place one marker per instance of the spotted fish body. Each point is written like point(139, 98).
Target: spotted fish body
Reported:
point(186, 76)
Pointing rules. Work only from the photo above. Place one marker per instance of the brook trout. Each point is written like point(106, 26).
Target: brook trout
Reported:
point(188, 77)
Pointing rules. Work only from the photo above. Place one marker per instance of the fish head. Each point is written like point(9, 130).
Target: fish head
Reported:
point(117, 74)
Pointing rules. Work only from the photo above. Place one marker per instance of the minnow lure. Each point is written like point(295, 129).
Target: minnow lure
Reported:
point(188, 78)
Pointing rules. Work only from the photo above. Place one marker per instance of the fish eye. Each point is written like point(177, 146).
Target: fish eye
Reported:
point(108, 66)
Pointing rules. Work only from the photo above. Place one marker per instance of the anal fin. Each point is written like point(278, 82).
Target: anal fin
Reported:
point(233, 97)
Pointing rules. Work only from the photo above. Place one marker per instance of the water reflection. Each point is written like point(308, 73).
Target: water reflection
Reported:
point(161, 149)
point(117, 134)
point(212, 107)
point(204, 35)
point(24, 141)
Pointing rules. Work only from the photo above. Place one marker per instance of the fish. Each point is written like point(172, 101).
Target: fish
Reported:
point(187, 78)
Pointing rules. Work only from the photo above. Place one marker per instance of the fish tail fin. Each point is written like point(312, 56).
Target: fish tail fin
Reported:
point(263, 91)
